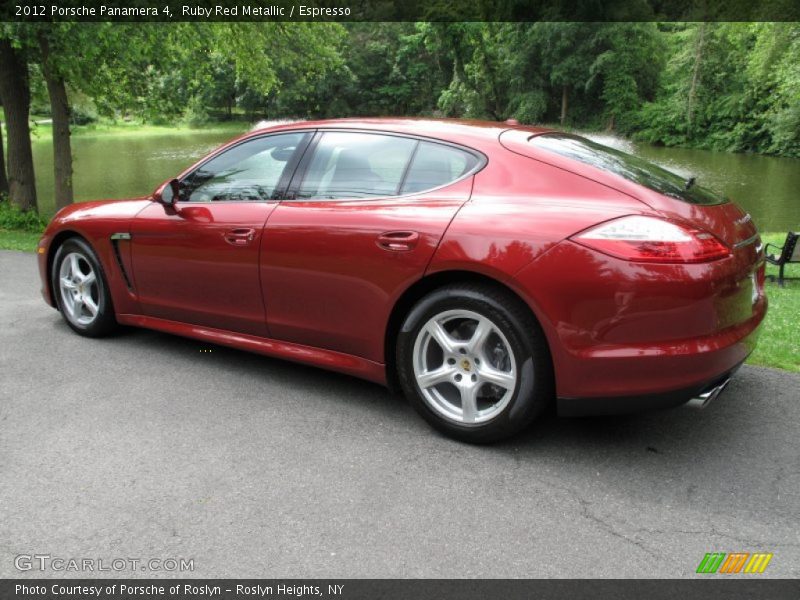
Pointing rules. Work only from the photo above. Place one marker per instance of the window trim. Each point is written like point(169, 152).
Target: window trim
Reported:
point(284, 180)
point(410, 162)
point(302, 169)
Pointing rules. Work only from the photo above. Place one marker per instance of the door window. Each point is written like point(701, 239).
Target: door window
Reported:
point(356, 165)
point(435, 165)
point(250, 171)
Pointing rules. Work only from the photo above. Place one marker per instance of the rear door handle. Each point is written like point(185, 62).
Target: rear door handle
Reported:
point(240, 237)
point(398, 241)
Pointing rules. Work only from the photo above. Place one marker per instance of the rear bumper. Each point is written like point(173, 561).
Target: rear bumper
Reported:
point(691, 372)
point(656, 375)
point(696, 396)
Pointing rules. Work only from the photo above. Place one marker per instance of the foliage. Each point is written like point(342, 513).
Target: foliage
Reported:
point(11, 217)
point(728, 86)
point(195, 114)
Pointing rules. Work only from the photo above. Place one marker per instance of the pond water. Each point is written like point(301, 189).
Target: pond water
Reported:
point(122, 166)
point(108, 166)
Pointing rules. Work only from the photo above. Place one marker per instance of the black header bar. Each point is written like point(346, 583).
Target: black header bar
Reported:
point(399, 10)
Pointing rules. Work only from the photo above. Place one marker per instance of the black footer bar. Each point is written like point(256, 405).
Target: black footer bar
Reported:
point(390, 589)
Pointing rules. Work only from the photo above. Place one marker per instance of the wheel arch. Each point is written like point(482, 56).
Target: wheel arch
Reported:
point(418, 290)
point(58, 239)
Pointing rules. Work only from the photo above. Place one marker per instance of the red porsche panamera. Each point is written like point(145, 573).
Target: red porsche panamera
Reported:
point(484, 268)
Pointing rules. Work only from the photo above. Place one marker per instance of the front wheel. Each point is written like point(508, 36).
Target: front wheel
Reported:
point(474, 363)
point(81, 289)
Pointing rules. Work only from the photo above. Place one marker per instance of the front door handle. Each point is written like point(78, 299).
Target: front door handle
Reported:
point(240, 237)
point(398, 241)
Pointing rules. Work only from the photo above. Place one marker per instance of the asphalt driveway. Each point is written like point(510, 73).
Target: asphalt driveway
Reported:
point(152, 446)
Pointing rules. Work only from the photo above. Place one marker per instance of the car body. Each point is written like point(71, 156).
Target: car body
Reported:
point(322, 260)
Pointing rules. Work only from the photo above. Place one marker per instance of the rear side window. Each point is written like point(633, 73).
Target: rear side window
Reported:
point(626, 165)
point(351, 165)
point(435, 165)
point(356, 165)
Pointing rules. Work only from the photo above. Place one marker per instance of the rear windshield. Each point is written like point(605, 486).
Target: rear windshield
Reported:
point(626, 165)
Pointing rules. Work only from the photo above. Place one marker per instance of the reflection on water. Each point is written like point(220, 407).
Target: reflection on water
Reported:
point(129, 165)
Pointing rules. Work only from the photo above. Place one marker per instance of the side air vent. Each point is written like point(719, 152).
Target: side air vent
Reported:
point(115, 240)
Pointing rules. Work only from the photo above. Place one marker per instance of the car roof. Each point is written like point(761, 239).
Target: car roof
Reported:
point(465, 131)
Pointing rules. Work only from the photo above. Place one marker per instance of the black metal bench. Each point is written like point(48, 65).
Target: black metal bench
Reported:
point(788, 253)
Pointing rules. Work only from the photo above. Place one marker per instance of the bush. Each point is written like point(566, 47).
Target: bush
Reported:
point(195, 114)
point(83, 109)
point(81, 116)
point(11, 217)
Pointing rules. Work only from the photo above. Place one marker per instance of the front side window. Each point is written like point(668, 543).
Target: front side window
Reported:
point(249, 171)
point(356, 165)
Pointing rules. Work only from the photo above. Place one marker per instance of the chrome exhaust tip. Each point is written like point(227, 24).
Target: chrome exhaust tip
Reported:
point(701, 400)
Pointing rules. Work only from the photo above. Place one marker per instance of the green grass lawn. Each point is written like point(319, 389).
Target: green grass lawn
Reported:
point(778, 346)
point(24, 241)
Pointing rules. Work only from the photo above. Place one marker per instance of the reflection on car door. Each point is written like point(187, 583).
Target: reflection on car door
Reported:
point(338, 253)
point(198, 262)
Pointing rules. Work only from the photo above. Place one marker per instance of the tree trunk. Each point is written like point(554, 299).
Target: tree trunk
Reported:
point(3, 178)
point(59, 107)
point(698, 59)
point(16, 98)
point(564, 90)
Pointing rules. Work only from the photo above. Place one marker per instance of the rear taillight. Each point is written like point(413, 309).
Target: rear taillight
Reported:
point(653, 240)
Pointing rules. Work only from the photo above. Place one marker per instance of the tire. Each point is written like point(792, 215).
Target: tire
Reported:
point(474, 362)
point(81, 289)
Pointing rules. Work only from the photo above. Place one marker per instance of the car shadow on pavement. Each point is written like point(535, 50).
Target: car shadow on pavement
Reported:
point(659, 433)
point(256, 366)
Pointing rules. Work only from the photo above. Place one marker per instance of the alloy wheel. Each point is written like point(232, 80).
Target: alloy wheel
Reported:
point(80, 294)
point(464, 366)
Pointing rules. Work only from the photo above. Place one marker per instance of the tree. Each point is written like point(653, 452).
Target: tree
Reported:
point(60, 111)
point(15, 97)
point(470, 55)
point(567, 52)
point(3, 177)
point(629, 58)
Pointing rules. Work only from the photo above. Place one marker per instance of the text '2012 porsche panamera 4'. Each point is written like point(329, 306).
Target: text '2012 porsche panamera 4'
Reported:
point(485, 269)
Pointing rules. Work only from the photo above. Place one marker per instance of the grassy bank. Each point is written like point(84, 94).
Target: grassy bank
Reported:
point(44, 131)
point(779, 345)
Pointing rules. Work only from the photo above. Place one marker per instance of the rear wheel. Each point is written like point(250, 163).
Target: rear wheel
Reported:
point(474, 363)
point(81, 289)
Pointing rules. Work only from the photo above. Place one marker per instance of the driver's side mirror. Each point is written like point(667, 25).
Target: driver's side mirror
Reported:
point(168, 193)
